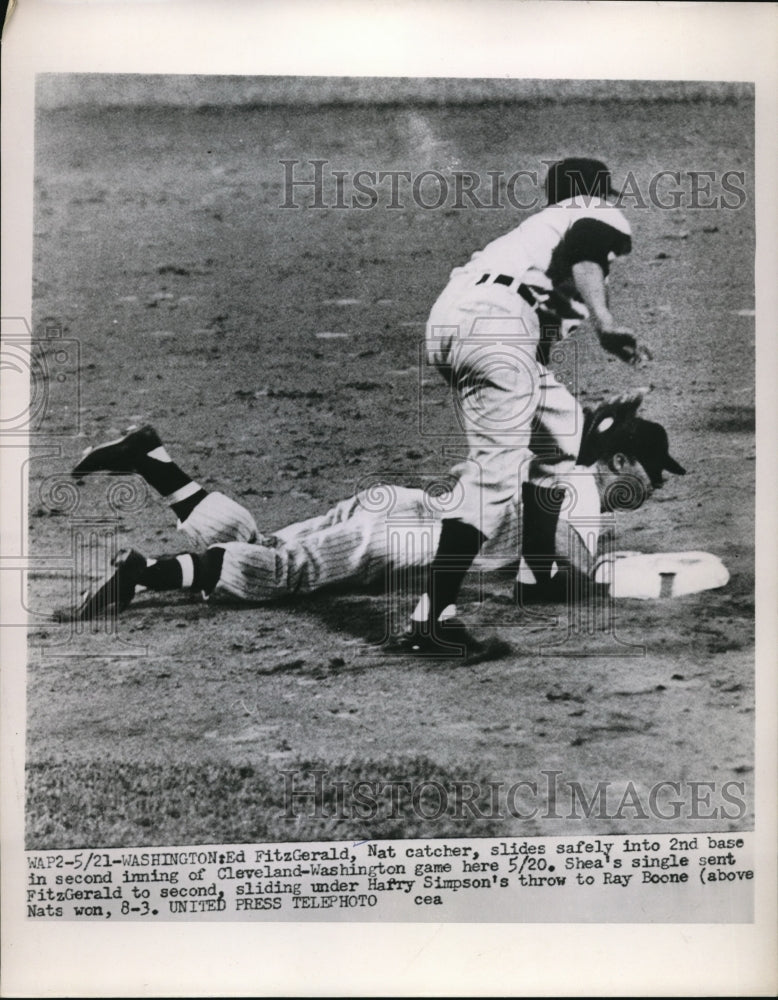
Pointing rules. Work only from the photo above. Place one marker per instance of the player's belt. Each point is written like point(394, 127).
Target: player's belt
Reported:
point(524, 291)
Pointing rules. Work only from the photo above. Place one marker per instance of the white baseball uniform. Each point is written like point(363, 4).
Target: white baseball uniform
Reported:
point(484, 334)
point(368, 539)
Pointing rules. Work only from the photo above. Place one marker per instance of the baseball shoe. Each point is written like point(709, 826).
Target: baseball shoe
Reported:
point(450, 640)
point(120, 455)
point(115, 592)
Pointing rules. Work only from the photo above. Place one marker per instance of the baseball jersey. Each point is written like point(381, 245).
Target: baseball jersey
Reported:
point(543, 249)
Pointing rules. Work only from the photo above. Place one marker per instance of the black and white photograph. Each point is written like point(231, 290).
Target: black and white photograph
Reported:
point(344, 435)
point(385, 528)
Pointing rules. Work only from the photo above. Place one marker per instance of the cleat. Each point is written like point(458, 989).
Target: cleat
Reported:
point(115, 592)
point(450, 640)
point(120, 455)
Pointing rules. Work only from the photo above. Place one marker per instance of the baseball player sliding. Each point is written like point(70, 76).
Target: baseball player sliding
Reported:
point(489, 334)
point(365, 539)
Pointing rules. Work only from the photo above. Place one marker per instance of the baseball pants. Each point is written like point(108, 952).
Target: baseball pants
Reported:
point(373, 537)
point(517, 418)
point(361, 540)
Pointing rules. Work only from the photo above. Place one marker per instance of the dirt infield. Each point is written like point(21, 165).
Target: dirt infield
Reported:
point(277, 352)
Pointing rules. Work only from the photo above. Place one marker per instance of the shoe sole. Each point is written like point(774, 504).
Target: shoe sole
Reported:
point(91, 460)
point(464, 653)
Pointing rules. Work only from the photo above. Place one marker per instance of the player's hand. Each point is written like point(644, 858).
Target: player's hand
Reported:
point(621, 343)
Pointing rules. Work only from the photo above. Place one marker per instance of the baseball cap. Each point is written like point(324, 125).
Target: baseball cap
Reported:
point(578, 175)
point(646, 442)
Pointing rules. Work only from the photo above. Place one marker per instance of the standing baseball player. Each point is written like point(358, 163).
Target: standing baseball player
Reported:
point(488, 334)
point(363, 540)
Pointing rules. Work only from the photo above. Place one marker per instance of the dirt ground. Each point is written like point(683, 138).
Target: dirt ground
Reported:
point(199, 305)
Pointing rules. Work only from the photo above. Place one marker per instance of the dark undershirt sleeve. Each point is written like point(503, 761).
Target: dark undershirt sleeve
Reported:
point(591, 239)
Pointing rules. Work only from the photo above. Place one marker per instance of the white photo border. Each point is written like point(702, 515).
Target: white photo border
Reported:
point(496, 38)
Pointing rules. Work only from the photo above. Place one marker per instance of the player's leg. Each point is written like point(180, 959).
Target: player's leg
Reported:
point(495, 378)
point(385, 500)
point(557, 428)
point(556, 441)
point(353, 551)
point(357, 546)
point(197, 572)
point(216, 518)
point(359, 549)
point(142, 451)
point(340, 512)
point(205, 518)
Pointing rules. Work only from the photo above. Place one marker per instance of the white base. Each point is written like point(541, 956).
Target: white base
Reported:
point(661, 574)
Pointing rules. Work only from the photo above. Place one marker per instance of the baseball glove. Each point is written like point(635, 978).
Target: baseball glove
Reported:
point(621, 343)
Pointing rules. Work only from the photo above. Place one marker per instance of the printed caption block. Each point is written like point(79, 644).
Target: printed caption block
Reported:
point(654, 878)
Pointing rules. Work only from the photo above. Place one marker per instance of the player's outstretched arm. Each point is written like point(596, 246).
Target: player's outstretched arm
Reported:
point(617, 340)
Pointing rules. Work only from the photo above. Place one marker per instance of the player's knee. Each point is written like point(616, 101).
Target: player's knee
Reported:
point(217, 519)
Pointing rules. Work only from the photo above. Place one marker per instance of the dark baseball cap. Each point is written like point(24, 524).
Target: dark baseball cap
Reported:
point(578, 175)
point(646, 442)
